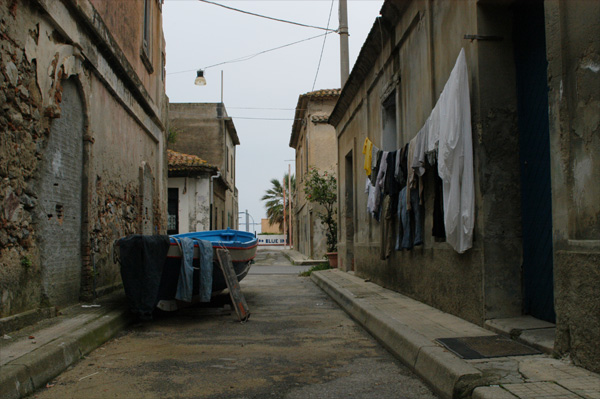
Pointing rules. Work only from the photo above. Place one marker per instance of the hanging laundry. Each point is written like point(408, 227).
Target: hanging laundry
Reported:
point(375, 165)
point(455, 158)
point(438, 230)
point(368, 151)
point(408, 238)
point(417, 162)
point(380, 181)
point(370, 191)
point(391, 188)
point(413, 180)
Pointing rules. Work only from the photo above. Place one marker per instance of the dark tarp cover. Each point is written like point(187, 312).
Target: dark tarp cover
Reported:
point(142, 260)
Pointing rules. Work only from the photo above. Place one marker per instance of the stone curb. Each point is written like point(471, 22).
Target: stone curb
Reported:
point(449, 376)
point(31, 371)
point(302, 262)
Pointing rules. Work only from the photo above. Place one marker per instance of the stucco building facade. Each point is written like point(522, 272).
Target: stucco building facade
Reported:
point(82, 112)
point(205, 130)
point(534, 90)
point(190, 193)
point(316, 147)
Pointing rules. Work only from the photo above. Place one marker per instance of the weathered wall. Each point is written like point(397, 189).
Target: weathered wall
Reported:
point(485, 282)
point(204, 130)
point(573, 52)
point(72, 151)
point(316, 148)
point(194, 202)
point(199, 131)
point(413, 67)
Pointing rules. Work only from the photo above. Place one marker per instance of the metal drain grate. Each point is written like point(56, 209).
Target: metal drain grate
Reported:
point(486, 347)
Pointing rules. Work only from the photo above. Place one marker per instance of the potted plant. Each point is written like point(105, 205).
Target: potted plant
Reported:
point(322, 189)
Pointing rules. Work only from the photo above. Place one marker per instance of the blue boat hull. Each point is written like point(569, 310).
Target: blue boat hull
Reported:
point(240, 244)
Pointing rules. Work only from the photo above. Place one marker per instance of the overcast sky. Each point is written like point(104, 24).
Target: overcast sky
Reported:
point(265, 87)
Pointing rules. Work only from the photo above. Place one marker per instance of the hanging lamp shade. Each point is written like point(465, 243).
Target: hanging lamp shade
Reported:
point(200, 80)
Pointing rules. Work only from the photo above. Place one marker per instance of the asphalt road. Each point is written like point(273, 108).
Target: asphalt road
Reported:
point(296, 344)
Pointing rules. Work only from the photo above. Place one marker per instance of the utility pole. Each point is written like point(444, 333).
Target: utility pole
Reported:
point(284, 229)
point(344, 54)
point(290, 203)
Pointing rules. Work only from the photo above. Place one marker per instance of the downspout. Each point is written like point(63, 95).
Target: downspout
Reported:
point(212, 185)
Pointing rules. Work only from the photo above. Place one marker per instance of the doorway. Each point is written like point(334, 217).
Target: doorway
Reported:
point(534, 145)
point(349, 211)
point(61, 207)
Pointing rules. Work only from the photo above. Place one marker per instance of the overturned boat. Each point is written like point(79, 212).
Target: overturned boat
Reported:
point(164, 271)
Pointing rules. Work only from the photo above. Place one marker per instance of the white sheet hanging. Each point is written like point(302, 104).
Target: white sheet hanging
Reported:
point(455, 156)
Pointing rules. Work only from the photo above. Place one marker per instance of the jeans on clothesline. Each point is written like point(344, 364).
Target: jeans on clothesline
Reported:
point(406, 239)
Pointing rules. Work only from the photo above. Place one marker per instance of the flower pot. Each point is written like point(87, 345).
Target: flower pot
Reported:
point(333, 259)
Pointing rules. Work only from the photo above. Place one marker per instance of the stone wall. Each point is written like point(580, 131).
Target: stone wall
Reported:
point(76, 129)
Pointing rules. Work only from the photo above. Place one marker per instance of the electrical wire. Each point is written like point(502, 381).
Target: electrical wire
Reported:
point(273, 109)
point(264, 16)
point(193, 115)
point(322, 48)
point(248, 57)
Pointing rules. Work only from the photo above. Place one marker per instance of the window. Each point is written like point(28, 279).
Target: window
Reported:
point(227, 159)
point(173, 211)
point(146, 51)
point(389, 134)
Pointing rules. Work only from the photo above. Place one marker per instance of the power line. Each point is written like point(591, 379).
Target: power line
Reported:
point(322, 48)
point(191, 114)
point(248, 57)
point(264, 16)
point(274, 109)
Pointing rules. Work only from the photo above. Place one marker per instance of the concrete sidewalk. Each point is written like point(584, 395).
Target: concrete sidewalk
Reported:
point(409, 329)
point(299, 259)
point(32, 356)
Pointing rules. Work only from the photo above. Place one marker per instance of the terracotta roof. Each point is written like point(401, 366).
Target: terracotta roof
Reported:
point(179, 162)
point(323, 93)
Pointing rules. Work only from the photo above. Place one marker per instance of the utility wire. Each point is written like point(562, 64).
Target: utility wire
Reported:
point(322, 48)
point(274, 109)
point(193, 115)
point(248, 57)
point(264, 16)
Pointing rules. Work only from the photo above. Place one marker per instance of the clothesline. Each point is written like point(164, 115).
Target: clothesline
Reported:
point(445, 138)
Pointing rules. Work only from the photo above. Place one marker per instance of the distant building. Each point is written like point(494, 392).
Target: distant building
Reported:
point(316, 147)
point(191, 181)
point(82, 120)
point(205, 131)
point(268, 228)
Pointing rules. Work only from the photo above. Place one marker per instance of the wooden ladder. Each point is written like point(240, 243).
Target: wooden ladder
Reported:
point(239, 302)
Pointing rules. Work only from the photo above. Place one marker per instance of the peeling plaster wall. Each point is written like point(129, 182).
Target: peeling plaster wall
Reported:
point(42, 43)
point(194, 202)
point(573, 45)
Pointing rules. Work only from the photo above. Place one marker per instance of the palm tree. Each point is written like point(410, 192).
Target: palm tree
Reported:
point(274, 199)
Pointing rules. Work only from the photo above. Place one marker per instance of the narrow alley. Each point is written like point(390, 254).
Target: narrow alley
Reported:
point(291, 347)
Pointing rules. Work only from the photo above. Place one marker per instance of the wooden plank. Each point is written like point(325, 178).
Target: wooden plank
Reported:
point(239, 302)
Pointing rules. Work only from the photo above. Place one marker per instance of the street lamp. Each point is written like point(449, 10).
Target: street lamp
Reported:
point(200, 80)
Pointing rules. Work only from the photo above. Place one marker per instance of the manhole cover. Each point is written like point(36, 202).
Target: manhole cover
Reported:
point(486, 346)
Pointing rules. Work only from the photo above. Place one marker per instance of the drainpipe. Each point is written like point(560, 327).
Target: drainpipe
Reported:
point(212, 185)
